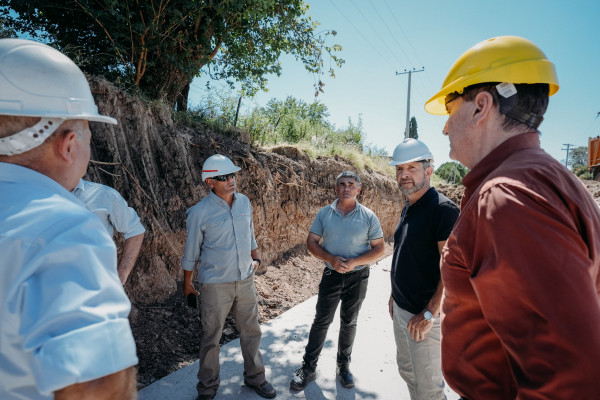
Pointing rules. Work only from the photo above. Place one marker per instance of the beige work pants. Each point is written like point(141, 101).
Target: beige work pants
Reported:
point(216, 299)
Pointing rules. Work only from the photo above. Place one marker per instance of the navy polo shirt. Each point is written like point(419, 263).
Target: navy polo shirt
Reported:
point(416, 262)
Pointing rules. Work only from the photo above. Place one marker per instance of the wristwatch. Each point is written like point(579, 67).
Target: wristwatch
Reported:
point(428, 315)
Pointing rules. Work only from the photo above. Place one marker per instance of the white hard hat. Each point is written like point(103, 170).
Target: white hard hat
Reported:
point(37, 80)
point(410, 150)
point(217, 165)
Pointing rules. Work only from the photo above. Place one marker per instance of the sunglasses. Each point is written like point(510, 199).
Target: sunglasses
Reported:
point(224, 178)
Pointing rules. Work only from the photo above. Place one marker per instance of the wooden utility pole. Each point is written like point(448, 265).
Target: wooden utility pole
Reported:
point(567, 149)
point(409, 72)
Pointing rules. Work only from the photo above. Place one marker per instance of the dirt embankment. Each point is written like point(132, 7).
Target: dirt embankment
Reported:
point(156, 166)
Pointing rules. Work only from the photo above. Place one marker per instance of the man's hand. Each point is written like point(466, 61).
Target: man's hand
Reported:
point(259, 268)
point(340, 264)
point(188, 286)
point(120, 385)
point(391, 306)
point(418, 327)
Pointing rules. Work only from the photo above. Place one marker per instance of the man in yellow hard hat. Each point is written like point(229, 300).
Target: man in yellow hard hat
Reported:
point(521, 267)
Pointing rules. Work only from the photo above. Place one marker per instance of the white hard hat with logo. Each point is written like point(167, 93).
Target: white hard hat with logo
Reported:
point(410, 150)
point(37, 80)
point(217, 165)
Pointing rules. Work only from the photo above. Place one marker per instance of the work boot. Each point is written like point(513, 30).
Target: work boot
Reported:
point(302, 377)
point(265, 389)
point(346, 378)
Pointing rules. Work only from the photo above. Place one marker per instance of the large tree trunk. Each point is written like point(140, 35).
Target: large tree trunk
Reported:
point(168, 84)
point(182, 100)
point(156, 166)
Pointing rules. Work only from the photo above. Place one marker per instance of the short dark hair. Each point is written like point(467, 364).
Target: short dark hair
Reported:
point(348, 174)
point(531, 99)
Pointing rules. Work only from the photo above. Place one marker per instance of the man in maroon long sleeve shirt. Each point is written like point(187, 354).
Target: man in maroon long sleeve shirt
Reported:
point(521, 267)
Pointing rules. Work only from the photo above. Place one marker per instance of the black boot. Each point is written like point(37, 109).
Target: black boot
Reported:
point(346, 378)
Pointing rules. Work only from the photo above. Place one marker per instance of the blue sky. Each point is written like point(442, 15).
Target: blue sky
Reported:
point(380, 37)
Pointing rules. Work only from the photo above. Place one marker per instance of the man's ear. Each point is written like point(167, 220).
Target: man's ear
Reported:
point(429, 171)
point(484, 104)
point(64, 145)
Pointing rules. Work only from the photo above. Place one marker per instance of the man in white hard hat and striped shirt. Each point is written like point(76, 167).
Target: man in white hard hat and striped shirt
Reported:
point(220, 241)
point(64, 331)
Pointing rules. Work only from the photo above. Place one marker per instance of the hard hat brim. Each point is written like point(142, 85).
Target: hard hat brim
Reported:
point(85, 116)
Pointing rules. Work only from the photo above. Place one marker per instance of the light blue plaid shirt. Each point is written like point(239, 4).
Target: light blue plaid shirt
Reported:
point(220, 238)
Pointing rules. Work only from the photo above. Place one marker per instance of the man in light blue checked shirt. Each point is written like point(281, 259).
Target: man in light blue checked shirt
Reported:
point(221, 242)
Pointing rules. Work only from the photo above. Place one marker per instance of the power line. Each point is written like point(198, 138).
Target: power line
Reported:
point(360, 33)
point(390, 32)
point(399, 25)
point(379, 37)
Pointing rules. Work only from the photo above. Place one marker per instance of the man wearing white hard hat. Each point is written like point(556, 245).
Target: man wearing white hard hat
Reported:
point(521, 268)
point(425, 223)
point(221, 243)
point(64, 331)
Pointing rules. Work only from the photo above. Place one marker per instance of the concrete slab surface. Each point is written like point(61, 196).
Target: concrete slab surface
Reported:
point(282, 346)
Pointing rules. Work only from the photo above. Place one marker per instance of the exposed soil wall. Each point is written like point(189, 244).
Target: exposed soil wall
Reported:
point(156, 166)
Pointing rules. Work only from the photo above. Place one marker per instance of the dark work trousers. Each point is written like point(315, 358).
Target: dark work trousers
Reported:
point(351, 289)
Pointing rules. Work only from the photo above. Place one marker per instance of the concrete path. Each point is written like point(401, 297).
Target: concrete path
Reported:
point(282, 345)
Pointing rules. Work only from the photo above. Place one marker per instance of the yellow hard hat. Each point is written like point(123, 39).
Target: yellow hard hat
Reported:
point(510, 59)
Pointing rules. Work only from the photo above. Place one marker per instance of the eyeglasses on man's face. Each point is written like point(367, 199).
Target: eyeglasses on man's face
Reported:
point(224, 178)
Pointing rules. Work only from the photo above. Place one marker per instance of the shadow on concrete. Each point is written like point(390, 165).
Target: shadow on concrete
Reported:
point(282, 346)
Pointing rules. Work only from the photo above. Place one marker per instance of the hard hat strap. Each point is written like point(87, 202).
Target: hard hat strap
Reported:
point(29, 138)
point(530, 119)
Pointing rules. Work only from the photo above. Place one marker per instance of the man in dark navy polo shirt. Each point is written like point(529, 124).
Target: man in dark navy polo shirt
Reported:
point(426, 221)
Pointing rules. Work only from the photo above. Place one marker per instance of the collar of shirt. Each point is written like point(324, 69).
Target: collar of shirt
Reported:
point(490, 162)
point(425, 199)
point(334, 207)
point(80, 185)
point(220, 201)
point(16, 173)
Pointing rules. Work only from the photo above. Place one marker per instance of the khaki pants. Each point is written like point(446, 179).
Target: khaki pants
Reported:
point(216, 301)
point(419, 363)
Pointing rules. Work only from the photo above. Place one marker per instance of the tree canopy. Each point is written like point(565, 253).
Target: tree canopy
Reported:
point(160, 46)
point(452, 171)
point(578, 157)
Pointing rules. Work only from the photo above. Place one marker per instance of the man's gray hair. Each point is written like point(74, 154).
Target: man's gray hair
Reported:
point(426, 164)
point(348, 174)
